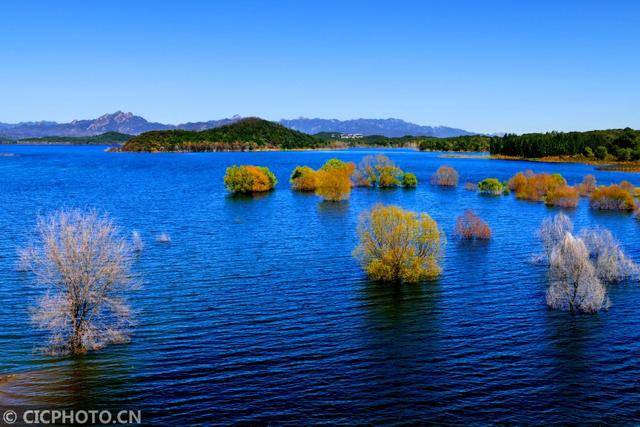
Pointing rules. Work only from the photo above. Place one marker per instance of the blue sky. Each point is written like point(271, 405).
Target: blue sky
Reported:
point(480, 65)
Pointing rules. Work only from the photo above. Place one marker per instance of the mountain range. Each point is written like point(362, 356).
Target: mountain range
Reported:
point(385, 127)
point(128, 123)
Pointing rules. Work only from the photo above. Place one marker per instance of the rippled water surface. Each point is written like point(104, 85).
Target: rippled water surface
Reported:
point(257, 312)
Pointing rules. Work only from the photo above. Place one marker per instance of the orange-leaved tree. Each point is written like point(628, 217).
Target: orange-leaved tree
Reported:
point(530, 186)
point(613, 197)
point(249, 179)
point(304, 178)
point(563, 196)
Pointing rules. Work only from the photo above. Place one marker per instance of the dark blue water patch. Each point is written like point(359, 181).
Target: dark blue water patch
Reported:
point(256, 310)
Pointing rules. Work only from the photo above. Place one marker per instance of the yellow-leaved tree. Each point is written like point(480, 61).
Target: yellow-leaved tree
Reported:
point(333, 180)
point(398, 245)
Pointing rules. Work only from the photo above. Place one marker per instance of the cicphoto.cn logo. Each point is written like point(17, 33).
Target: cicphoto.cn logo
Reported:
point(71, 417)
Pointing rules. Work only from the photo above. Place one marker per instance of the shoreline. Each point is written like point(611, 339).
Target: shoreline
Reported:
point(266, 149)
point(629, 166)
point(599, 164)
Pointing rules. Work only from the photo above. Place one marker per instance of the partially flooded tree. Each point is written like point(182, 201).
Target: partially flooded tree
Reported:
point(378, 170)
point(85, 266)
point(445, 176)
point(563, 196)
point(136, 241)
point(610, 262)
point(398, 245)
point(573, 282)
point(470, 226)
point(334, 180)
point(304, 178)
point(553, 231)
point(613, 197)
point(587, 186)
point(490, 186)
point(409, 180)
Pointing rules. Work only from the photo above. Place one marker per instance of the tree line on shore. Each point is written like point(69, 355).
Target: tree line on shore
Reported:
point(604, 145)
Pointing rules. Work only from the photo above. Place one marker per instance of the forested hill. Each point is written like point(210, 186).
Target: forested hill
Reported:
point(246, 134)
point(611, 144)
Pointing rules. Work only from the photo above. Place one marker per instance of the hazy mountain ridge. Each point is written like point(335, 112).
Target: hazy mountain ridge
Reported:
point(128, 123)
point(387, 127)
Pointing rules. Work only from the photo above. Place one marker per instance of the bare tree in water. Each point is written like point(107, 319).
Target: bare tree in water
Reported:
point(608, 258)
point(85, 266)
point(553, 231)
point(573, 282)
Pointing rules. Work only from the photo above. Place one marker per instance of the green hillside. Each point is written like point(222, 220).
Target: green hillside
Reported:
point(247, 134)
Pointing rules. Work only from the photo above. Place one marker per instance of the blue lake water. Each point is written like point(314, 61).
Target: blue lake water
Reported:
point(257, 312)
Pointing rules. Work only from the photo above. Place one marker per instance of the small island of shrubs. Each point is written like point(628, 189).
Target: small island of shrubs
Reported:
point(334, 180)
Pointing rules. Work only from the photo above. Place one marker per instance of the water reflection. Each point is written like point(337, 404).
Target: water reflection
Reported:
point(82, 382)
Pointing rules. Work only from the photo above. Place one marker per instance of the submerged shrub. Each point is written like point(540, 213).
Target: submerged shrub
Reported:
point(628, 187)
point(610, 262)
point(389, 176)
point(334, 180)
point(587, 186)
point(573, 282)
point(470, 226)
point(409, 180)
point(445, 176)
point(398, 245)
point(612, 197)
point(470, 186)
point(249, 179)
point(304, 178)
point(85, 266)
point(490, 186)
point(163, 238)
point(136, 239)
point(563, 196)
point(365, 175)
point(517, 182)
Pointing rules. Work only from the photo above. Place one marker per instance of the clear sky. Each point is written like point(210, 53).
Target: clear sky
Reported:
point(480, 65)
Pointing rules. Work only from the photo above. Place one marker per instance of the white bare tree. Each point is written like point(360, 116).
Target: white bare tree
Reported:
point(573, 282)
point(610, 262)
point(552, 232)
point(85, 266)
